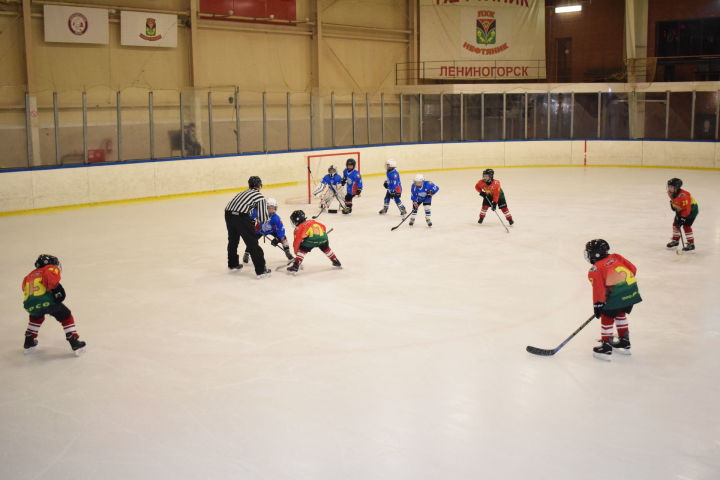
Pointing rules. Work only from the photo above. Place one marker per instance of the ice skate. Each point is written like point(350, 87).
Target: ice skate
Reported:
point(264, 274)
point(246, 257)
point(403, 211)
point(77, 345)
point(30, 344)
point(336, 263)
point(603, 352)
point(383, 211)
point(689, 247)
point(235, 268)
point(480, 220)
point(673, 244)
point(293, 268)
point(411, 222)
point(511, 221)
point(429, 222)
point(622, 345)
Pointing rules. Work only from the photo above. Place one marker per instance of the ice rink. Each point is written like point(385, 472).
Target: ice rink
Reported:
point(409, 363)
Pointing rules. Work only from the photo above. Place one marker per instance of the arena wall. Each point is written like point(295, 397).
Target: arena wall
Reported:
point(28, 190)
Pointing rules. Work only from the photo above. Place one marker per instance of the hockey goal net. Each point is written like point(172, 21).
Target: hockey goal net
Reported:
point(317, 167)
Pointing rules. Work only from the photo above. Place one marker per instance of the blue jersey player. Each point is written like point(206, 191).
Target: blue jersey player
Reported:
point(329, 188)
point(393, 187)
point(353, 181)
point(421, 193)
point(273, 228)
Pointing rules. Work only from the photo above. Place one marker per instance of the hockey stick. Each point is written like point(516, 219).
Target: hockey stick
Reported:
point(547, 353)
point(501, 221)
point(681, 248)
point(402, 221)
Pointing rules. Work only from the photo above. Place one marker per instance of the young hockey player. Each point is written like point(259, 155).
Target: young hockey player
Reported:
point(273, 227)
point(308, 235)
point(353, 180)
point(44, 295)
point(394, 188)
point(329, 189)
point(686, 209)
point(614, 292)
point(493, 195)
point(422, 192)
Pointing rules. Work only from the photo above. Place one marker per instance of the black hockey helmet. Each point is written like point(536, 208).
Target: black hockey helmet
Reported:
point(350, 161)
point(596, 250)
point(254, 182)
point(297, 217)
point(677, 183)
point(332, 169)
point(45, 259)
point(490, 172)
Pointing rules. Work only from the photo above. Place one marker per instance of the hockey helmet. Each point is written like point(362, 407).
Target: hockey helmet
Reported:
point(45, 259)
point(332, 169)
point(676, 183)
point(297, 217)
point(350, 162)
point(419, 178)
point(271, 202)
point(390, 163)
point(596, 250)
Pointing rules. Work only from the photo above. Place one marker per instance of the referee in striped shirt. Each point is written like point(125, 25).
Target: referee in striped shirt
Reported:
point(240, 224)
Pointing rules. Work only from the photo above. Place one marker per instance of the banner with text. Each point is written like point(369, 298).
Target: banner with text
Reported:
point(482, 39)
point(75, 24)
point(148, 29)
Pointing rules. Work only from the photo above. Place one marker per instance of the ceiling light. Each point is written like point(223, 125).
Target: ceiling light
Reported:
point(569, 8)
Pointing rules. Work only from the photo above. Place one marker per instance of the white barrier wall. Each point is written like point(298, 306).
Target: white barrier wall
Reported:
point(35, 189)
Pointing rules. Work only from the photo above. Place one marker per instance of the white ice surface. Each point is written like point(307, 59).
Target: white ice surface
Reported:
point(409, 363)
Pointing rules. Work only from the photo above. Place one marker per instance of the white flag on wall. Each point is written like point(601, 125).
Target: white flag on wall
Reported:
point(148, 29)
point(75, 24)
point(482, 39)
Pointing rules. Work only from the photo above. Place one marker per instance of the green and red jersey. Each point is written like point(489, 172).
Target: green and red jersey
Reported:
point(613, 282)
point(37, 288)
point(310, 234)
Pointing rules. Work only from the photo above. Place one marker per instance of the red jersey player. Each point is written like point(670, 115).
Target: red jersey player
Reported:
point(44, 295)
point(615, 291)
point(686, 209)
point(493, 195)
point(308, 235)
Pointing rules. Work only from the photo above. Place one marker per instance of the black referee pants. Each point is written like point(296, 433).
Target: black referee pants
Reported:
point(243, 226)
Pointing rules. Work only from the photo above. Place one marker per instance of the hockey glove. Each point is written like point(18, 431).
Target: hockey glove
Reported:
point(359, 191)
point(598, 308)
point(274, 242)
point(415, 205)
point(671, 207)
point(494, 206)
point(681, 221)
point(344, 181)
point(385, 184)
point(59, 293)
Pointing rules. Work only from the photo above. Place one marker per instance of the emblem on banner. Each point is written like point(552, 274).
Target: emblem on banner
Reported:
point(78, 23)
point(485, 32)
point(150, 30)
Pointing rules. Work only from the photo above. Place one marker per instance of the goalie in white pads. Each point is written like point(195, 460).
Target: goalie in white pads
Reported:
point(329, 189)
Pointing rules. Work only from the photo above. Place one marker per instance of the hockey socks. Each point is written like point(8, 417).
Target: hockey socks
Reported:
point(69, 328)
point(34, 326)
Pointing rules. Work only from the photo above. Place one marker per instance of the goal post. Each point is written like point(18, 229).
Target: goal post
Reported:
point(318, 164)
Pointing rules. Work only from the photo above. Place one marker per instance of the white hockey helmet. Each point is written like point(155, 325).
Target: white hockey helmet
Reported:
point(419, 178)
point(271, 202)
point(391, 163)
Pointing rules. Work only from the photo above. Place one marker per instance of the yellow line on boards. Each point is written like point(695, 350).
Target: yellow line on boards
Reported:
point(289, 184)
point(137, 200)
